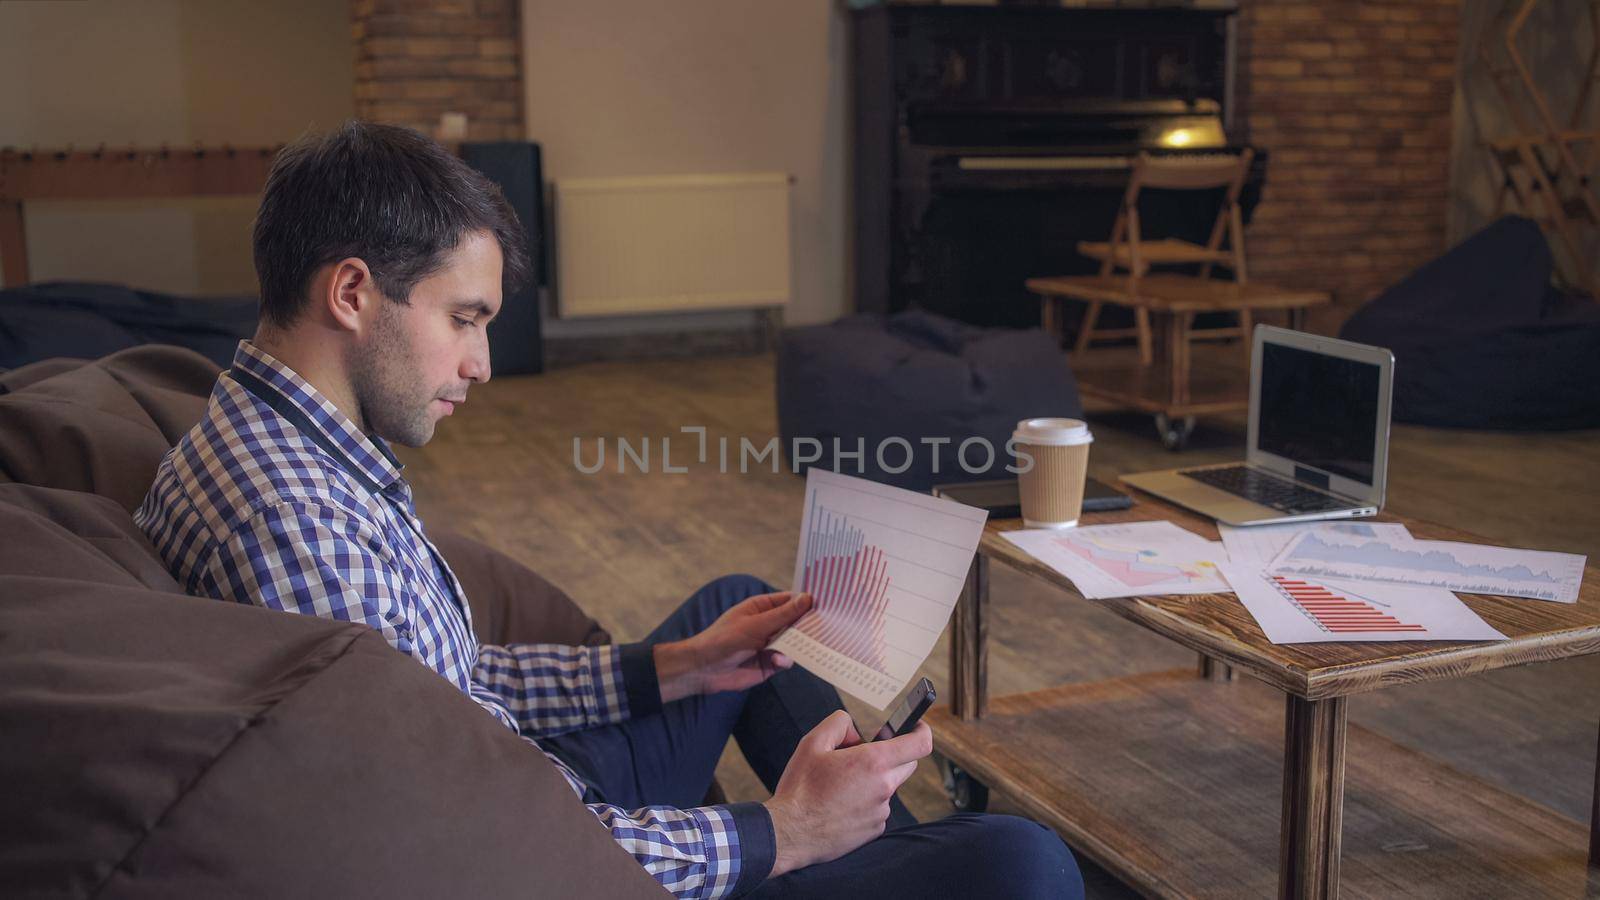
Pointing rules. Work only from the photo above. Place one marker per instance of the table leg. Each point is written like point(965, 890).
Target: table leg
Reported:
point(1091, 316)
point(1247, 328)
point(13, 244)
point(1178, 348)
point(969, 645)
point(1215, 669)
point(1313, 798)
point(1141, 325)
point(1594, 832)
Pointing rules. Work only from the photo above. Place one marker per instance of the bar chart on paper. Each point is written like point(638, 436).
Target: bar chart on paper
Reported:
point(1293, 609)
point(1338, 614)
point(884, 567)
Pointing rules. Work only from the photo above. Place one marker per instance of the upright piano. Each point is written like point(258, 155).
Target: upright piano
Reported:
point(991, 139)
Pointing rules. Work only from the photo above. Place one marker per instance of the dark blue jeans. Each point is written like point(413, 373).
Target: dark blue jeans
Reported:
point(670, 758)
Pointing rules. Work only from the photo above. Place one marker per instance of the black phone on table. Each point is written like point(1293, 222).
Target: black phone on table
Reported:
point(1004, 501)
point(909, 712)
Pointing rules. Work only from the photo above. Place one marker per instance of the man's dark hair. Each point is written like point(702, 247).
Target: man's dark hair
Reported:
point(384, 194)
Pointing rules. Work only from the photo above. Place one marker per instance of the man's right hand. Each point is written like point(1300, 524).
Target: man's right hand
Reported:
point(834, 794)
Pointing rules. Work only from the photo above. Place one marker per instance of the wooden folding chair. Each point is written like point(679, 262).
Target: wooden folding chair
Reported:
point(1546, 165)
point(1564, 207)
point(1174, 300)
point(1128, 251)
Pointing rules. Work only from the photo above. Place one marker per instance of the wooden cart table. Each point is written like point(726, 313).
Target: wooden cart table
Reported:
point(1163, 380)
point(1183, 785)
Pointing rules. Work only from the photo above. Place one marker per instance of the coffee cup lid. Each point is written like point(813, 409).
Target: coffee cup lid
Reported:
point(1049, 432)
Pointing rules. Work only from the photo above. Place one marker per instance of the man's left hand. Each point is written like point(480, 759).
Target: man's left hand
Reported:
point(732, 654)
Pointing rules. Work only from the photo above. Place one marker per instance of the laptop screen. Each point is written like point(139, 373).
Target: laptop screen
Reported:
point(1318, 410)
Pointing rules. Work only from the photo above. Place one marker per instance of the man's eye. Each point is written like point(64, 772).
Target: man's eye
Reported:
point(462, 323)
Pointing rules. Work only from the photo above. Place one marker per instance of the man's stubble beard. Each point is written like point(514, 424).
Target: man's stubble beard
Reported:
point(388, 388)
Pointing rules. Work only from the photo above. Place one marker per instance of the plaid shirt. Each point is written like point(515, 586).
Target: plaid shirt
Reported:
point(277, 499)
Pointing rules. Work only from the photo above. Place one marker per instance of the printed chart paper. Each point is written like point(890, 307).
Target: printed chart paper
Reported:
point(1471, 568)
point(1129, 560)
point(1262, 543)
point(1295, 610)
point(884, 567)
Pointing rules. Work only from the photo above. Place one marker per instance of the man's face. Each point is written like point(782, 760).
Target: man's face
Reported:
point(415, 365)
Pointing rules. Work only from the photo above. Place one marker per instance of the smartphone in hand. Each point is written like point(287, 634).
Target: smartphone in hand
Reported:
point(909, 712)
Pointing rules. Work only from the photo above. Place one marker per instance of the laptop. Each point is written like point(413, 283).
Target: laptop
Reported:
point(1319, 437)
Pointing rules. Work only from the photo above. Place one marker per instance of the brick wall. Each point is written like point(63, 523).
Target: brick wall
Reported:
point(417, 59)
point(1352, 98)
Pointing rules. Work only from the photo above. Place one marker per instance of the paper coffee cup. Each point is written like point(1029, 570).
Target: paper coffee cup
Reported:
point(1052, 489)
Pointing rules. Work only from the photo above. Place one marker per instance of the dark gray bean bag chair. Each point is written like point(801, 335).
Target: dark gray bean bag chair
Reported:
point(1482, 340)
point(85, 320)
point(865, 381)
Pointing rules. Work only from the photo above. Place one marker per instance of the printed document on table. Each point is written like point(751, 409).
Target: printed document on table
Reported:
point(1263, 543)
point(1470, 568)
point(884, 567)
point(1299, 610)
point(1128, 560)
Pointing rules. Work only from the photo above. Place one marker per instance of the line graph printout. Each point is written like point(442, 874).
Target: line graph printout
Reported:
point(1470, 568)
point(1262, 543)
point(1128, 560)
point(884, 567)
point(1292, 610)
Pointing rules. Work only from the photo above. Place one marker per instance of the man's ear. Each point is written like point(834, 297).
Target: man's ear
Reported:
point(352, 296)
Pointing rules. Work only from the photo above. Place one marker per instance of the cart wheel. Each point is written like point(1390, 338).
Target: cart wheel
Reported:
point(967, 794)
point(1174, 434)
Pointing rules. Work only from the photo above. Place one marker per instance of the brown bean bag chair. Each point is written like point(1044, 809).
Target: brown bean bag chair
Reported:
point(162, 745)
point(102, 427)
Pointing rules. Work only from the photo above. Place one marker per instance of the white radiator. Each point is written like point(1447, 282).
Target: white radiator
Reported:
point(671, 243)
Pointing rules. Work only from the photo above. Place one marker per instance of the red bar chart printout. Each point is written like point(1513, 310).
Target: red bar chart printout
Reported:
point(1295, 610)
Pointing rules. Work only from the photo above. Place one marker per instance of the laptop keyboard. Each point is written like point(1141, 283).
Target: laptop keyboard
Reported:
point(1281, 494)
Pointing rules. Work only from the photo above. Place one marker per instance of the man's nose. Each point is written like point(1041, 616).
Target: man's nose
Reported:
point(475, 367)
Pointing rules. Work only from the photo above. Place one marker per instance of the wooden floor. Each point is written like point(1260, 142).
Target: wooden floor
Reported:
point(630, 546)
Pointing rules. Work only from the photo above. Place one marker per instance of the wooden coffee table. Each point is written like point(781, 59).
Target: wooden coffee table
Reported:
point(1165, 376)
point(1189, 784)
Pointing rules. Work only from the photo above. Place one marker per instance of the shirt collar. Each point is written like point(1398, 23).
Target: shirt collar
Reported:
point(365, 455)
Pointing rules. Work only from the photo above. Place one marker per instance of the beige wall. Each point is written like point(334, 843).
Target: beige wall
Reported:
point(642, 87)
point(147, 72)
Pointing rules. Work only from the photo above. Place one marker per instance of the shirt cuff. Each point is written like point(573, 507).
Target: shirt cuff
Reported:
point(639, 680)
point(758, 845)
